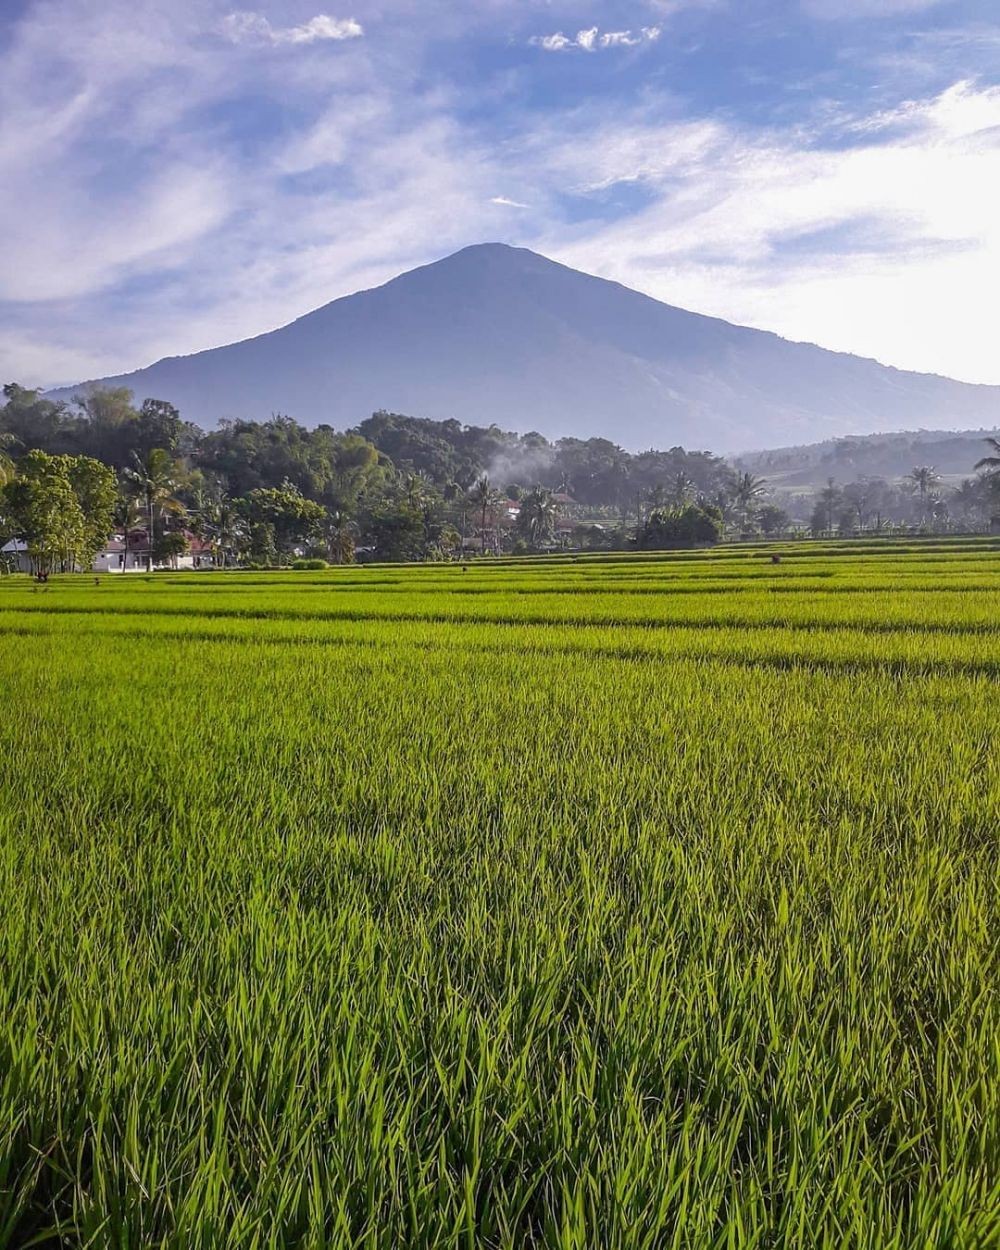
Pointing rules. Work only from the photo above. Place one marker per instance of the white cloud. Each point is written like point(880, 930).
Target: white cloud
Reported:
point(888, 248)
point(148, 219)
point(592, 38)
point(961, 110)
point(247, 27)
point(852, 9)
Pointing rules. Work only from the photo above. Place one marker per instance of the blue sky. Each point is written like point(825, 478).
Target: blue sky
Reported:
point(176, 174)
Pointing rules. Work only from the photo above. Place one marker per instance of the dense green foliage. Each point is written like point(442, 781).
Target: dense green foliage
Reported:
point(62, 506)
point(407, 488)
point(411, 488)
point(690, 526)
point(339, 469)
point(606, 902)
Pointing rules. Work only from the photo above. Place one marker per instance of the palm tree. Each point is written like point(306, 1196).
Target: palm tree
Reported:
point(124, 518)
point(341, 533)
point(723, 500)
point(7, 469)
point(650, 501)
point(537, 517)
point(153, 479)
point(990, 463)
point(656, 497)
point(224, 526)
point(684, 488)
point(748, 490)
point(417, 491)
point(924, 478)
point(967, 498)
point(484, 497)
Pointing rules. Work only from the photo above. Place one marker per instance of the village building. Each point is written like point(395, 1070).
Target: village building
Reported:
point(14, 556)
point(113, 558)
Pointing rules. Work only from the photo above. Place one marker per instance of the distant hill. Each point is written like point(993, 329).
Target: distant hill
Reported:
point(500, 334)
point(891, 456)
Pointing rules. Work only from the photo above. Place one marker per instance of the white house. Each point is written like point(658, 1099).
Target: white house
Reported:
point(112, 557)
point(14, 556)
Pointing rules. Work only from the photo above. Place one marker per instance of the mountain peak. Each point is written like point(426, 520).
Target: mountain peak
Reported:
point(486, 247)
point(497, 333)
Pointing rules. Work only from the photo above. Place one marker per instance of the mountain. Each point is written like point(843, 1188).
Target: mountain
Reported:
point(501, 334)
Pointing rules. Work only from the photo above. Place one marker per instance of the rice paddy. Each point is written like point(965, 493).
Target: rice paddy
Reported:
point(620, 902)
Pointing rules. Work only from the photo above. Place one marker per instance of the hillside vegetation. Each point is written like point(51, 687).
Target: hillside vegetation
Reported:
point(890, 456)
point(405, 488)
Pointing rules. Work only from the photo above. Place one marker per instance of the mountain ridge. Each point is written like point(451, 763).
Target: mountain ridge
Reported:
point(499, 334)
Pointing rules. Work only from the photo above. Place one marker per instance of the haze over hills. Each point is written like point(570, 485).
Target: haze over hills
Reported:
point(501, 334)
point(951, 453)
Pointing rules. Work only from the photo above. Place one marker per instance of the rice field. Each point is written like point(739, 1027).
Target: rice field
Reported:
point(622, 902)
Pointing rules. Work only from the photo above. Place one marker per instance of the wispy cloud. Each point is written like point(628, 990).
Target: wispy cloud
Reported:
point(857, 9)
point(247, 27)
point(593, 38)
point(205, 196)
point(888, 246)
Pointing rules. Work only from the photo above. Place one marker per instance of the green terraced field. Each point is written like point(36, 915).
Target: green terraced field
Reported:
point(608, 902)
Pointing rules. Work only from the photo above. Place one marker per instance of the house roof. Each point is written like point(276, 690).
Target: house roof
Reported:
point(15, 547)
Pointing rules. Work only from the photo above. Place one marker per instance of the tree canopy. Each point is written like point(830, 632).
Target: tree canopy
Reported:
point(398, 487)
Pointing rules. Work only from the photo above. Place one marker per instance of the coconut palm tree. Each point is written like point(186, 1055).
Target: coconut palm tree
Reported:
point(224, 526)
point(923, 478)
point(417, 491)
point(341, 534)
point(536, 520)
point(484, 497)
point(153, 480)
point(969, 497)
point(748, 490)
point(7, 469)
point(683, 488)
point(124, 517)
point(656, 497)
point(990, 463)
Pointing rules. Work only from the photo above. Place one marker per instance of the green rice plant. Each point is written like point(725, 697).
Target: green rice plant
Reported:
point(633, 902)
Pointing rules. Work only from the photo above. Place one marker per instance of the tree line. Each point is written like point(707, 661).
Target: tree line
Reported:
point(400, 488)
point(261, 493)
point(920, 501)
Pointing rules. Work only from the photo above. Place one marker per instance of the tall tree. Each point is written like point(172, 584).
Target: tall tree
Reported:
point(828, 501)
point(124, 518)
point(923, 478)
point(485, 498)
point(990, 463)
point(284, 512)
point(225, 528)
point(749, 490)
point(34, 421)
point(341, 537)
point(683, 488)
point(96, 489)
point(536, 520)
point(7, 467)
point(44, 510)
point(153, 479)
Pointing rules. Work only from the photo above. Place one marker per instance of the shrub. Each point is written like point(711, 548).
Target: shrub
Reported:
point(680, 527)
point(310, 562)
